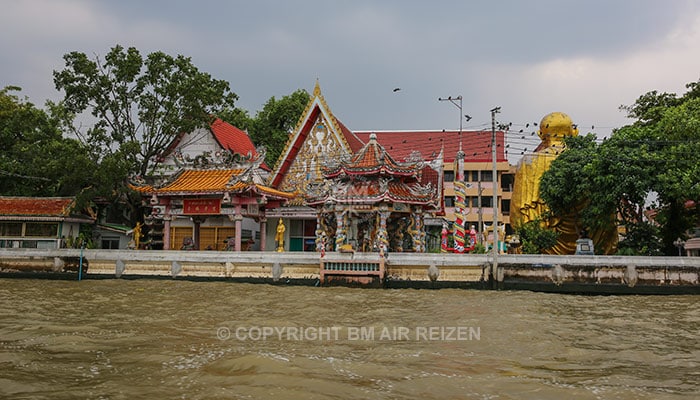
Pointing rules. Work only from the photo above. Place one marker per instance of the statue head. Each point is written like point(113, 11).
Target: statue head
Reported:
point(555, 126)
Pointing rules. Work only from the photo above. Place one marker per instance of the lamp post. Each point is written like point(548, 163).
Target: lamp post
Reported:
point(454, 101)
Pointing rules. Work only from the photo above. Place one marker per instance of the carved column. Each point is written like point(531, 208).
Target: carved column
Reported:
point(166, 231)
point(263, 233)
point(320, 235)
point(419, 231)
point(238, 218)
point(340, 229)
point(382, 241)
point(197, 220)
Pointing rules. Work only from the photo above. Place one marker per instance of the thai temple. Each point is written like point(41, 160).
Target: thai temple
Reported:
point(331, 189)
point(331, 167)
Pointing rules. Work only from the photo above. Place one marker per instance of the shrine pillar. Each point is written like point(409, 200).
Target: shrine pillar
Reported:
point(197, 221)
point(238, 218)
point(382, 241)
point(419, 231)
point(166, 231)
point(320, 234)
point(263, 233)
point(340, 229)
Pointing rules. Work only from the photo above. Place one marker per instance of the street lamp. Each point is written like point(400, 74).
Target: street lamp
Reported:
point(679, 243)
point(454, 100)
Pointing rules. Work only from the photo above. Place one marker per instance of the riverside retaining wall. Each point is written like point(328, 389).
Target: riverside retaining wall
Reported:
point(575, 274)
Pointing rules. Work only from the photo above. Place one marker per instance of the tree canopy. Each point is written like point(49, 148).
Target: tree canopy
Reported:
point(272, 125)
point(36, 160)
point(138, 105)
point(650, 164)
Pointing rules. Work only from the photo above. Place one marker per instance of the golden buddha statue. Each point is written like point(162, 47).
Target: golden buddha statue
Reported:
point(527, 205)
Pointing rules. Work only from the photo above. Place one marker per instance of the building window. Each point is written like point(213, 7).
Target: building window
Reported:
point(41, 229)
point(110, 243)
point(11, 229)
point(449, 176)
point(505, 207)
point(487, 201)
point(487, 176)
point(474, 201)
point(471, 176)
point(507, 181)
point(449, 201)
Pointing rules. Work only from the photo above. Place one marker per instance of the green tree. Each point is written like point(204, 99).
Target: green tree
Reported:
point(272, 125)
point(534, 238)
point(138, 105)
point(237, 117)
point(35, 158)
point(566, 187)
point(653, 158)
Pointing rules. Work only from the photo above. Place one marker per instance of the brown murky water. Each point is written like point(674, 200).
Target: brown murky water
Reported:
point(162, 339)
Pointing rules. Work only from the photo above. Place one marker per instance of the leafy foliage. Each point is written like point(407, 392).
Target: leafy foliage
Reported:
point(654, 158)
point(272, 125)
point(535, 238)
point(136, 107)
point(36, 160)
point(138, 104)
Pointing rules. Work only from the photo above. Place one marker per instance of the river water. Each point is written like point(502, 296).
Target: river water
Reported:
point(168, 339)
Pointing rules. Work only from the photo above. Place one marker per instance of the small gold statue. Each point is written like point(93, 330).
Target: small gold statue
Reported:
point(279, 237)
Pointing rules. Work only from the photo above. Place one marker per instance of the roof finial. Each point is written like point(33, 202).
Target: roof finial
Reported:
point(317, 89)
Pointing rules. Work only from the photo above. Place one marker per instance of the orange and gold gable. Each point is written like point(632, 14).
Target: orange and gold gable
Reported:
point(320, 144)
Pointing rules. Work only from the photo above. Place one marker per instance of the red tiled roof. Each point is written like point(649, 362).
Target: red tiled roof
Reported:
point(353, 141)
point(36, 206)
point(233, 139)
point(209, 181)
point(475, 144)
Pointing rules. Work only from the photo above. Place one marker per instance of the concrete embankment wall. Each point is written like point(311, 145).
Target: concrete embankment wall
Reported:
point(578, 274)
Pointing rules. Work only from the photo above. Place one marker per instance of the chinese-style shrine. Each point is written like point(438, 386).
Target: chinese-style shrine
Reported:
point(218, 186)
point(370, 202)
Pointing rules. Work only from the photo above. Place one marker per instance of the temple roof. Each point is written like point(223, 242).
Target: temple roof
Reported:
point(232, 138)
point(316, 108)
point(35, 207)
point(228, 137)
point(372, 176)
point(476, 145)
point(210, 181)
point(371, 159)
point(375, 191)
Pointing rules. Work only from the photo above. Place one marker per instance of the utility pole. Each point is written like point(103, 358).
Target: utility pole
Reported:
point(454, 100)
point(494, 266)
point(478, 199)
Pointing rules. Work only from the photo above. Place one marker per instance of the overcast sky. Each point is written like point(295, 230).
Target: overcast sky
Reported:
point(584, 58)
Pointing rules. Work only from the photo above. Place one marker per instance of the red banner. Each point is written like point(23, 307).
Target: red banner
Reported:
point(201, 206)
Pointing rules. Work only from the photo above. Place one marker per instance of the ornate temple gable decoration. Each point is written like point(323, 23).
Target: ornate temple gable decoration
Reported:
point(374, 203)
point(372, 176)
point(318, 138)
point(219, 159)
